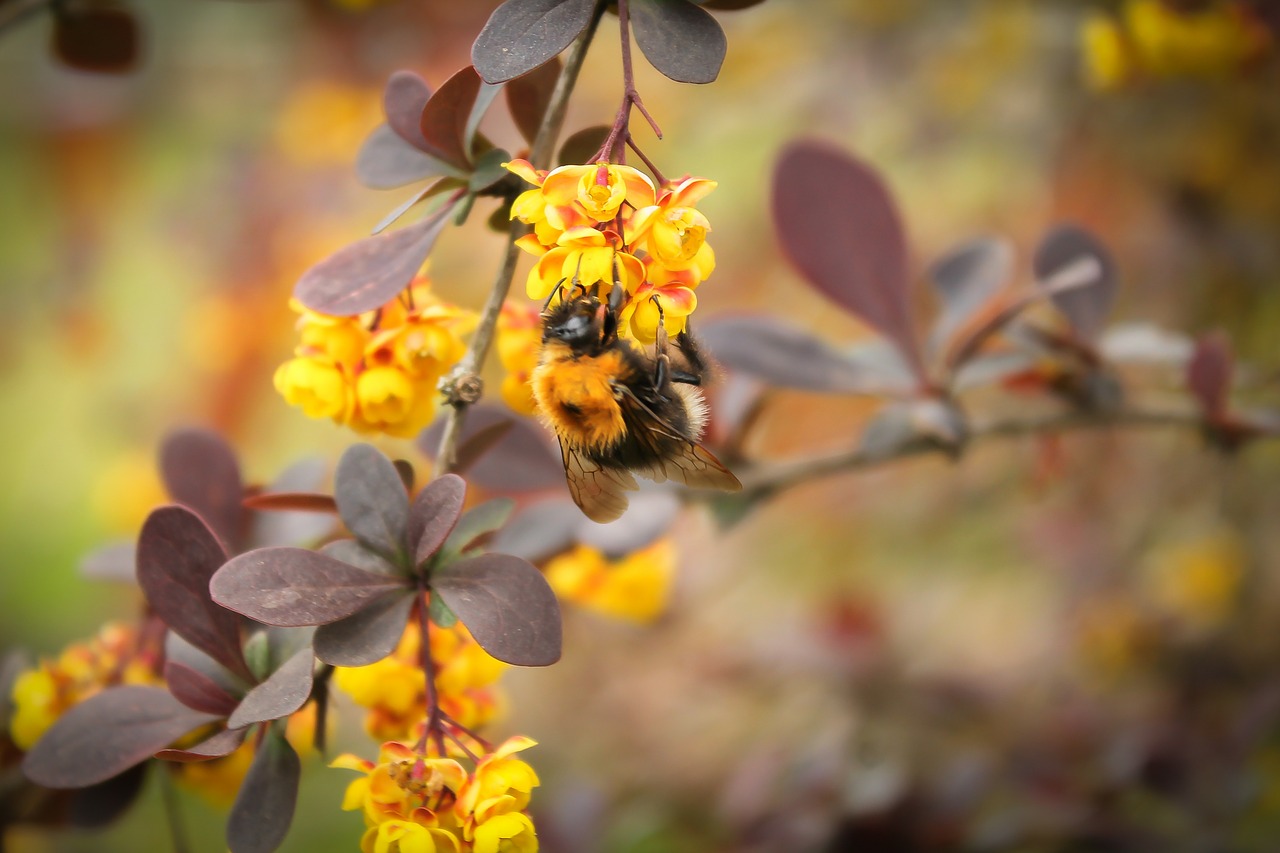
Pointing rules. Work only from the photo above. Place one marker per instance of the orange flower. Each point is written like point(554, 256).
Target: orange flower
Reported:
point(519, 338)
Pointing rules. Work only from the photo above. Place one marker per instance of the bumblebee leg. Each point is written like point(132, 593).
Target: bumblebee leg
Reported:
point(696, 363)
point(661, 361)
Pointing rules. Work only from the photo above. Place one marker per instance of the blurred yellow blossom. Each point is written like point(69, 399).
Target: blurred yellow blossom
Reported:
point(635, 587)
point(518, 342)
point(324, 123)
point(1199, 580)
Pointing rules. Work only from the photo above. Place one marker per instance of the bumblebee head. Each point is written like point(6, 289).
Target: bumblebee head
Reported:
point(579, 322)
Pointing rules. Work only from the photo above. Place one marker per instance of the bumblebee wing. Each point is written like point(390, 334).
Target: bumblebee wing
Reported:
point(598, 491)
point(691, 463)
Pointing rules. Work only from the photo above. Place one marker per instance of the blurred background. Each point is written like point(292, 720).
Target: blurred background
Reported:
point(1050, 645)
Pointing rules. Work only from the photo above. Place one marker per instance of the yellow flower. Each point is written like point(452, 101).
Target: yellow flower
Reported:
point(402, 785)
point(598, 189)
point(587, 257)
point(1107, 62)
point(509, 832)
point(339, 340)
point(1211, 41)
point(519, 339)
point(635, 587)
point(1199, 580)
point(316, 386)
point(400, 836)
point(386, 397)
point(500, 785)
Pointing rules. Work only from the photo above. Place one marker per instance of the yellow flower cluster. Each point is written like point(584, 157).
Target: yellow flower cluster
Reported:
point(380, 371)
point(394, 689)
point(599, 223)
point(1152, 38)
point(519, 339)
point(420, 803)
point(44, 693)
point(635, 587)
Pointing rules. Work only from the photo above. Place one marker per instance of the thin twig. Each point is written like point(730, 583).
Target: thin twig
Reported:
point(172, 813)
point(463, 387)
point(432, 729)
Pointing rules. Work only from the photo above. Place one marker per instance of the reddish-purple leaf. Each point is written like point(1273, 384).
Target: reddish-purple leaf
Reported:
point(433, 515)
point(177, 555)
point(386, 161)
point(98, 805)
point(292, 587)
point(478, 443)
point(107, 734)
point(507, 606)
point(223, 743)
point(291, 502)
point(371, 272)
point(197, 690)
point(583, 145)
point(201, 472)
point(967, 278)
point(296, 526)
point(679, 39)
point(407, 475)
point(353, 553)
point(520, 35)
point(783, 355)
point(444, 120)
point(529, 95)
point(478, 521)
point(1086, 308)
point(841, 229)
point(368, 636)
point(263, 809)
point(433, 188)
point(95, 38)
point(283, 692)
point(522, 460)
point(372, 500)
point(542, 530)
point(115, 562)
point(1209, 374)
point(403, 100)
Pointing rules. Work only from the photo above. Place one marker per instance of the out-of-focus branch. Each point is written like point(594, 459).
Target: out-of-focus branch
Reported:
point(463, 387)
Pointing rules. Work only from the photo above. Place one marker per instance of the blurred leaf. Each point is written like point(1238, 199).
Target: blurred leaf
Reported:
point(386, 161)
point(649, 516)
point(291, 502)
point(489, 171)
point(507, 606)
point(283, 692)
point(372, 500)
point(729, 5)
point(966, 278)
point(583, 145)
point(782, 355)
point(440, 614)
point(484, 99)
point(223, 743)
point(898, 426)
point(1209, 374)
point(521, 35)
point(114, 562)
point(403, 100)
point(478, 521)
point(679, 39)
point(371, 272)
point(107, 734)
point(841, 229)
point(177, 556)
point(291, 587)
point(353, 553)
point(1086, 308)
point(368, 635)
point(95, 38)
point(405, 206)
point(264, 807)
point(479, 443)
point(522, 460)
point(541, 530)
point(408, 476)
point(197, 690)
point(444, 119)
point(296, 527)
point(98, 805)
point(434, 514)
point(529, 95)
point(201, 472)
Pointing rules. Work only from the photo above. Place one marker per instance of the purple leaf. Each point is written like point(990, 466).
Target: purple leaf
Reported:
point(1209, 374)
point(200, 471)
point(541, 530)
point(115, 562)
point(444, 120)
point(782, 355)
point(367, 636)
point(177, 556)
point(283, 692)
point(407, 475)
point(223, 743)
point(583, 145)
point(967, 278)
point(841, 229)
point(529, 95)
point(679, 39)
point(478, 443)
point(369, 273)
point(403, 100)
point(98, 805)
point(1086, 308)
point(386, 161)
point(292, 587)
point(433, 515)
point(107, 734)
point(197, 690)
point(478, 521)
point(523, 460)
point(506, 604)
point(372, 500)
point(92, 38)
point(520, 35)
point(353, 553)
point(264, 807)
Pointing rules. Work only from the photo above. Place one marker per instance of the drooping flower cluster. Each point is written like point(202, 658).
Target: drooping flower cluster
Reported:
point(1153, 39)
point(119, 654)
point(394, 689)
point(419, 802)
point(380, 371)
point(596, 224)
point(635, 587)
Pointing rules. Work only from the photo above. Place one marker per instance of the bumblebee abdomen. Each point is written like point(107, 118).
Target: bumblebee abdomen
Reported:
point(577, 398)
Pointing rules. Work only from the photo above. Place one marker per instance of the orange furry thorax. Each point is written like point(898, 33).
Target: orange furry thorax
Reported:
point(576, 396)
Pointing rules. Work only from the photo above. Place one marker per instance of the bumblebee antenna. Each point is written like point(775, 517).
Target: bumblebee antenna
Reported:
point(557, 290)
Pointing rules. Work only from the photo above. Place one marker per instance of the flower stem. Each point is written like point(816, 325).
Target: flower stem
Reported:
point(462, 387)
point(614, 148)
point(433, 728)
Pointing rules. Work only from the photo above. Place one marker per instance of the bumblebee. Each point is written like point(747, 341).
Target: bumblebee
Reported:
point(619, 410)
